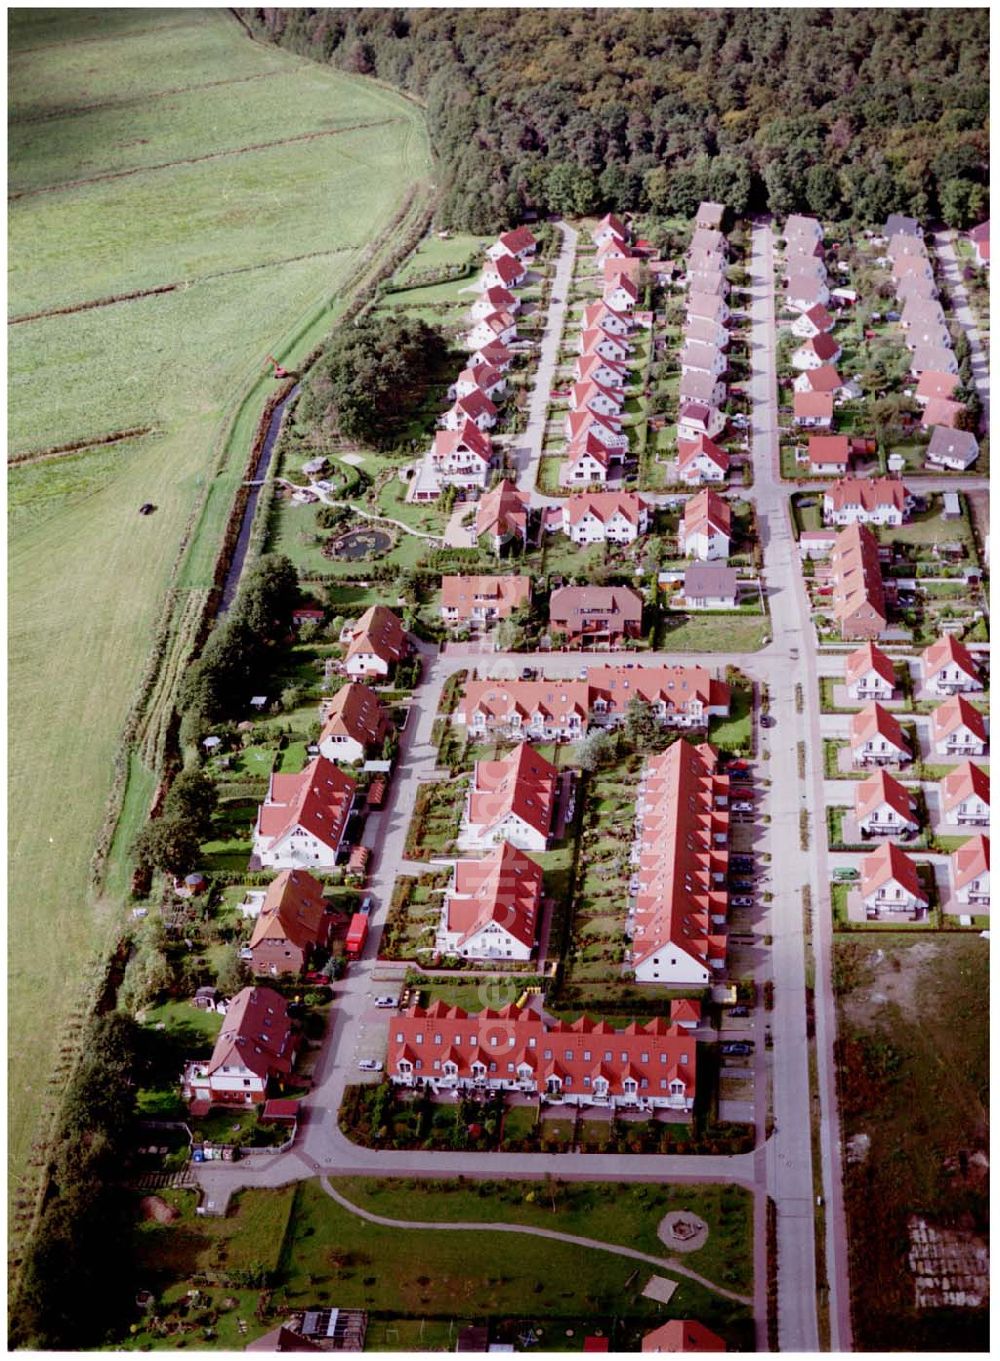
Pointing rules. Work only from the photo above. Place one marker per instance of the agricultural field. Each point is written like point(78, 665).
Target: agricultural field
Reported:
point(149, 149)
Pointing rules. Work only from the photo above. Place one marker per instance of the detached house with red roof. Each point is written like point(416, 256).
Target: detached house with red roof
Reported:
point(592, 368)
point(701, 460)
point(958, 729)
point(293, 924)
point(354, 723)
point(494, 326)
point(869, 674)
point(828, 453)
point(678, 927)
point(591, 396)
point(816, 321)
point(375, 643)
point(621, 291)
point(462, 458)
point(583, 1063)
point(944, 414)
point(824, 379)
point(812, 410)
point(948, 667)
point(475, 407)
point(604, 517)
point(482, 600)
point(494, 299)
point(605, 344)
point(682, 1335)
point(877, 739)
point(817, 350)
point(492, 908)
point(303, 818)
point(502, 515)
point(255, 1046)
point(970, 868)
point(706, 527)
point(512, 799)
point(483, 378)
point(890, 885)
point(935, 386)
point(584, 615)
point(610, 228)
point(884, 807)
point(697, 419)
point(965, 796)
point(980, 238)
point(519, 242)
point(600, 315)
point(507, 271)
point(589, 460)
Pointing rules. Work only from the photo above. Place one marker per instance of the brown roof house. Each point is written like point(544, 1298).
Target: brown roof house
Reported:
point(255, 1046)
point(482, 600)
point(355, 722)
point(293, 923)
point(858, 600)
point(592, 614)
point(375, 643)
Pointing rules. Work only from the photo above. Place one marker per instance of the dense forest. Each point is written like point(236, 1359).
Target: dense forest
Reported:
point(842, 113)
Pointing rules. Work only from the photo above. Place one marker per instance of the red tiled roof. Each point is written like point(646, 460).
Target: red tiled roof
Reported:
point(653, 1052)
point(318, 800)
point(502, 511)
point(678, 854)
point(503, 887)
point(583, 392)
point(379, 630)
point(522, 782)
point(971, 859)
point(942, 412)
point(294, 910)
point(823, 346)
point(889, 864)
point(682, 1335)
point(875, 721)
point(510, 269)
point(583, 423)
point(586, 364)
point(953, 712)
point(613, 270)
point(469, 438)
point(824, 379)
point(256, 1034)
point(867, 492)
point(948, 651)
point(881, 788)
point(834, 449)
point(869, 658)
point(707, 512)
point(474, 404)
point(858, 600)
point(356, 712)
point(505, 593)
point(819, 316)
point(685, 1009)
point(962, 783)
point(689, 450)
point(815, 404)
point(940, 385)
point(621, 280)
point(604, 505)
point(496, 354)
point(520, 238)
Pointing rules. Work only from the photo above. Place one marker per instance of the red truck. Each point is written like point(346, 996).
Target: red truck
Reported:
point(357, 934)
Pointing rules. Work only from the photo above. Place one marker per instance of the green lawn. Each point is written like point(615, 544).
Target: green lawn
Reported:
point(715, 633)
point(325, 1254)
point(735, 733)
point(181, 363)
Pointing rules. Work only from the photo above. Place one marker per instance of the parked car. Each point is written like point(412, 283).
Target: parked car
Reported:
point(739, 1011)
point(527, 673)
point(741, 885)
point(766, 721)
point(845, 873)
point(367, 903)
point(741, 776)
point(633, 885)
point(743, 806)
point(741, 900)
point(370, 1065)
point(385, 1001)
point(738, 1047)
point(741, 862)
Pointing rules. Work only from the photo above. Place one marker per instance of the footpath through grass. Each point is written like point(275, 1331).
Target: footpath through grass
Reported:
point(328, 1256)
point(87, 574)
